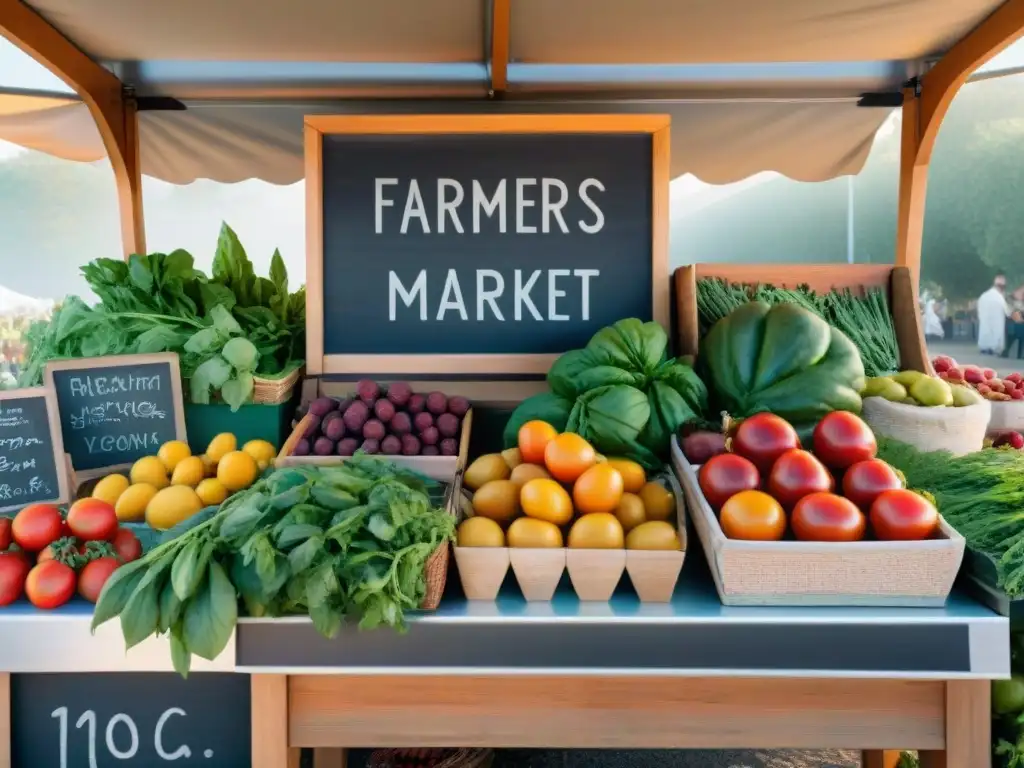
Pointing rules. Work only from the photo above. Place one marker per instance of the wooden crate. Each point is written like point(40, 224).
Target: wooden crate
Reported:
point(902, 295)
point(810, 573)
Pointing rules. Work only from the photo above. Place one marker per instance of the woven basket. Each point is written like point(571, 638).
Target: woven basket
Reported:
point(436, 573)
point(436, 758)
point(274, 391)
point(957, 430)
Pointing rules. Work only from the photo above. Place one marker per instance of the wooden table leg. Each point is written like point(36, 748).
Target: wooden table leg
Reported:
point(968, 728)
point(328, 757)
point(879, 758)
point(270, 724)
point(5, 720)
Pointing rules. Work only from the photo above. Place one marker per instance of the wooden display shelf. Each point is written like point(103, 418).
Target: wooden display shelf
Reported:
point(947, 721)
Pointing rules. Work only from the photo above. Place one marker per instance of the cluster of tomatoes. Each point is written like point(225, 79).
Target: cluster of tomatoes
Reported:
point(769, 483)
point(48, 558)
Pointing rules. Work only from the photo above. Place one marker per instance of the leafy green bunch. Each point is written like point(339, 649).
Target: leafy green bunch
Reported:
point(328, 542)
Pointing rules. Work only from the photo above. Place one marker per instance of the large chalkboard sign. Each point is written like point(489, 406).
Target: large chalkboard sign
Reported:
point(506, 240)
point(130, 720)
point(114, 410)
point(33, 467)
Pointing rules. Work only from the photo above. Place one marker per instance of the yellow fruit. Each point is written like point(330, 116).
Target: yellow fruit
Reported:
point(172, 452)
point(188, 472)
point(172, 505)
point(527, 533)
point(221, 446)
point(149, 469)
point(633, 475)
point(512, 457)
point(599, 489)
point(485, 469)
point(261, 450)
point(656, 534)
point(209, 466)
point(497, 500)
point(110, 488)
point(480, 532)
point(545, 499)
point(237, 470)
point(211, 491)
point(524, 473)
point(659, 503)
point(131, 505)
point(630, 512)
point(597, 531)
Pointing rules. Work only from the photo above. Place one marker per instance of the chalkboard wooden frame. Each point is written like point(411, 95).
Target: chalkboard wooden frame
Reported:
point(317, 126)
point(60, 460)
point(113, 361)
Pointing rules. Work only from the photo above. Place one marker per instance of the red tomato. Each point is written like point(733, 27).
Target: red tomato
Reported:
point(866, 479)
point(36, 526)
point(50, 584)
point(13, 570)
point(797, 473)
point(841, 439)
point(92, 520)
point(827, 517)
point(5, 533)
point(903, 515)
point(764, 437)
point(94, 576)
point(725, 475)
point(126, 545)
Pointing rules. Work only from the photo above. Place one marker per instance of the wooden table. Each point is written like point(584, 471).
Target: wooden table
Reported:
point(689, 674)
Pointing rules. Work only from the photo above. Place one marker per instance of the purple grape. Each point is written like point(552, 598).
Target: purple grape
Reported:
point(368, 391)
point(399, 393)
point(430, 436)
point(313, 428)
point(449, 447)
point(355, 416)
point(301, 448)
point(370, 446)
point(430, 450)
point(401, 423)
point(347, 447)
point(448, 425)
point(437, 403)
point(374, 430)
point(322, 406)
point(390, 446)
point(323, 446)
point(384, 409)
point(410, 445)
point(423, 421)
point(334, 428)
point(458, 406)
point(416, 404)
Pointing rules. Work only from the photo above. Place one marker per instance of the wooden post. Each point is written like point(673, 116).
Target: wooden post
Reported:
point(102, 93)
point(326, 757)
point(923, 114)
point(879, 758)
point(270, 723)
point(968, 728)
point(5, 720)
point(501, 19)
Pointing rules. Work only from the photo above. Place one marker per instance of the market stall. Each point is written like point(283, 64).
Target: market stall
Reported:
point(457, 250)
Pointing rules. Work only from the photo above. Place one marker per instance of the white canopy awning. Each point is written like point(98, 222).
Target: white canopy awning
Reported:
point(752, 85)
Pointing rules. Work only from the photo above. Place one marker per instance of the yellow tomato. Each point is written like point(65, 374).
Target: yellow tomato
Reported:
point(237, 470)
point(630, 511)
point(599, 489)
point(527, 533)
point(480, 532)
point(597, 531)
point(656, 534)
point(659, 503)
point(633, 475)
point(544, 499)
point(754, 516)
point(110, 488)
point(149, 470)
point(568, 456)
point(534, 437)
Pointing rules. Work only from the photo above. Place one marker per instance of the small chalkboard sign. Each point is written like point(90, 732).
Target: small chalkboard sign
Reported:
point(115, 410)
point(33, 467)
point(483, 244)
point(130, 720)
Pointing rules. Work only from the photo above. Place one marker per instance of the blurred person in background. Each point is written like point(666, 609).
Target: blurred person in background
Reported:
point(992, 313)
point(1015, 324)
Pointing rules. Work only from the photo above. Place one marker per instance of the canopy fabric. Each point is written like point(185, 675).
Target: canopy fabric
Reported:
point(719, 142)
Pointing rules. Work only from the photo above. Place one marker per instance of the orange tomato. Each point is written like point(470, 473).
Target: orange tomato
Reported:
point(534, 437)
point(568, 456)
point(544, 499)
point(754, 516)
point(599, 489)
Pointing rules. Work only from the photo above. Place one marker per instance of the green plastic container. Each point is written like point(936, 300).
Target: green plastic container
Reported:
point(250, 422)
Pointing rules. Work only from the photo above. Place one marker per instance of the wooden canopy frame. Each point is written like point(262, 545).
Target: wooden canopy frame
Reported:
point(112, 107)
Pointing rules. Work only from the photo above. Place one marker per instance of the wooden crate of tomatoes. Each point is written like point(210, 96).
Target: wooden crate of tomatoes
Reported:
point(828, 523)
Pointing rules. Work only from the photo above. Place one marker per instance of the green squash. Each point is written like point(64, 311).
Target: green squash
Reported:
point(783, 359)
